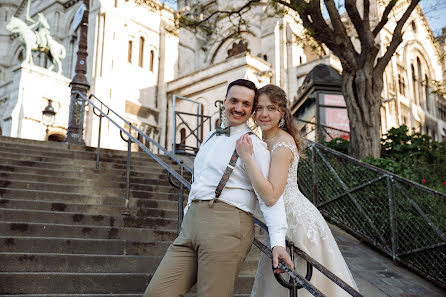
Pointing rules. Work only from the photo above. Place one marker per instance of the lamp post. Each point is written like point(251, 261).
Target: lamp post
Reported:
point(79, 84)
point(48, 116)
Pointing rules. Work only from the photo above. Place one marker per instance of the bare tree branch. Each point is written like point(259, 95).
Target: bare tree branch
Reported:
point(384, 18)
point(397, 38)
point(355, 17)
point(190, 22)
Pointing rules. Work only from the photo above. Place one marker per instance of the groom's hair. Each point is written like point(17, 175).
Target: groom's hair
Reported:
point(244, 83)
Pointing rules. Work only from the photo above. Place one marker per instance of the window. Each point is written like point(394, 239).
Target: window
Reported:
point(426, 93)
point(414, 85)
point(141, 52)
point(401, 85)
point(152, 59)
point(116, 3)
point(414, 27)
point(129, 58)
point(183, 136)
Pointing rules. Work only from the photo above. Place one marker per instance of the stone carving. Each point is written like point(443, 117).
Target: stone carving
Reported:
point(37, 37)
point(238, 48)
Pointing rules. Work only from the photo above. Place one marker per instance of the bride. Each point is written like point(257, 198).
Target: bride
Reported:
point(307, 228)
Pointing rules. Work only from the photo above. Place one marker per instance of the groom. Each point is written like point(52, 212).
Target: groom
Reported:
point(217, 233)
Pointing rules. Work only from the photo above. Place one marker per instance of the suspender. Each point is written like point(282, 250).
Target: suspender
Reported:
point(224, 179)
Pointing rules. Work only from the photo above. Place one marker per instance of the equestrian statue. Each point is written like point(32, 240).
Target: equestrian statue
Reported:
point(37, 37)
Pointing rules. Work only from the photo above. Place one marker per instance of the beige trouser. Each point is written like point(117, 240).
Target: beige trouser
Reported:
point(211, 247)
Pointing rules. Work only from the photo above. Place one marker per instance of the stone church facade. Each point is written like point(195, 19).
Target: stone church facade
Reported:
point(139, 62)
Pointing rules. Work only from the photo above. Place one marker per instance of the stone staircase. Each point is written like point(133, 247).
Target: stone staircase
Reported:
point(62, 232)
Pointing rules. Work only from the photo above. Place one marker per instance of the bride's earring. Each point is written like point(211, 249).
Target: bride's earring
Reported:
point(281, 122)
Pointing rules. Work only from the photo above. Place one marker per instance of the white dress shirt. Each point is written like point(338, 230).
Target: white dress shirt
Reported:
point(209, 166)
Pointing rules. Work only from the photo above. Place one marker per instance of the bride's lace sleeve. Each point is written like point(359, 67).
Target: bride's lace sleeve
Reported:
point(288, 145)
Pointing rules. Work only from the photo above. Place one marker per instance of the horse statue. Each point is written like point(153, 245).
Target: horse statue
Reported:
point(38, 40)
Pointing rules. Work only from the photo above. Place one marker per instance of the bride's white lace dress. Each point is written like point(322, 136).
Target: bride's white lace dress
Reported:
point(309, 232)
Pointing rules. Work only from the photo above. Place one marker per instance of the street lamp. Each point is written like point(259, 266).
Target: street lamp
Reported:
point(79, 84)
point(48, 116)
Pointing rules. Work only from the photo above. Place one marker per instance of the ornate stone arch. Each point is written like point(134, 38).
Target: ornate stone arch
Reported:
point(222, 47)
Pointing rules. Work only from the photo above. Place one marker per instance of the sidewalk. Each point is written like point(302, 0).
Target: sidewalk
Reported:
point(376, 275)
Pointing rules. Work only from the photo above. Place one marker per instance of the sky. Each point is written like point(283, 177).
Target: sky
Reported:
point(435, 12)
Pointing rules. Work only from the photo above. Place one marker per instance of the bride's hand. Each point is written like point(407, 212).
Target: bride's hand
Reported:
point(244, 147)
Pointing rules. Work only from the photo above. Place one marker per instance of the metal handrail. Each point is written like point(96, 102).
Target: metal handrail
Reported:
point(171, 171)
point(142, 134)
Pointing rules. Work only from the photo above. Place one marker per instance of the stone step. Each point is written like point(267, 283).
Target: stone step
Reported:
point(87, 232)
point(114, 199)
point(169, 210)
point(87, 283)
point(78, 219)
point(81, 295)
point(104, 155)
point(85, 173)
point(60, 203)
point(77, 179)
point(89, 263)
point(71, 161)
point(81, 166)
point(21, 244)
point(90, 186)
point(31, 262)
point(18, 143)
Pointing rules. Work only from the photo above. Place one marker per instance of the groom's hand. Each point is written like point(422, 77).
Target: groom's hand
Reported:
point(280, 252)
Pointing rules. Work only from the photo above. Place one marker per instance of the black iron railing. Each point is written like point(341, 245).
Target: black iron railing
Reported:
point(405, 220)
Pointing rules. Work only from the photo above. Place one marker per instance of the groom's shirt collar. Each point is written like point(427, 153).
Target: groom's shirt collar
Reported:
point(235, 130)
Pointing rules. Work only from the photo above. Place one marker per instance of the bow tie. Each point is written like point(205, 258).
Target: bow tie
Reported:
point(226, 131)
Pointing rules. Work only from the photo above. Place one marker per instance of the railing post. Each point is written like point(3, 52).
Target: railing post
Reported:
point(174, 124)
point(293, 289)
point(127, 174)
point(314, 167)
point(98, 149)
point(393, 227)
point(180, 200)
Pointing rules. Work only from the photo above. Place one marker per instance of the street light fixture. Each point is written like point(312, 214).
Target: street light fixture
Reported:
point(48, 116)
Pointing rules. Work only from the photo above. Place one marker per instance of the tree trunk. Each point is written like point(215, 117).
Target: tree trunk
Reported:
point(362, 94)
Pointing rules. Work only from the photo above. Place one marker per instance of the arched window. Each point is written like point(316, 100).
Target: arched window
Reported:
point(414, 27)
point(217, 123)
point(426, 92)
point(414, 84)
point(129, 58)
point(141, 52)
point(182, 136)
point(116, 3)
point(152, 59)
point(419, 82)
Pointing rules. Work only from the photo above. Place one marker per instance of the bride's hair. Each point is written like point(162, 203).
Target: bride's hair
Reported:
point(278, 96)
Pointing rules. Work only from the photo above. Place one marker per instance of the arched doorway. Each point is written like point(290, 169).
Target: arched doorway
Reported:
point(56, 138)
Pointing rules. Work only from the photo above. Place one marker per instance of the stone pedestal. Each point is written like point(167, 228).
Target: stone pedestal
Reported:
point(27, 96)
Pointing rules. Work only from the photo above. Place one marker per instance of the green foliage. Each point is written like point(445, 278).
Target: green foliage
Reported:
point(411, 155)
point(414, 156)
point(337, 144)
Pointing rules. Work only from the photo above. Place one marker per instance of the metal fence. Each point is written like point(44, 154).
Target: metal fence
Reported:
point(320, 133)
point(405, 220)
